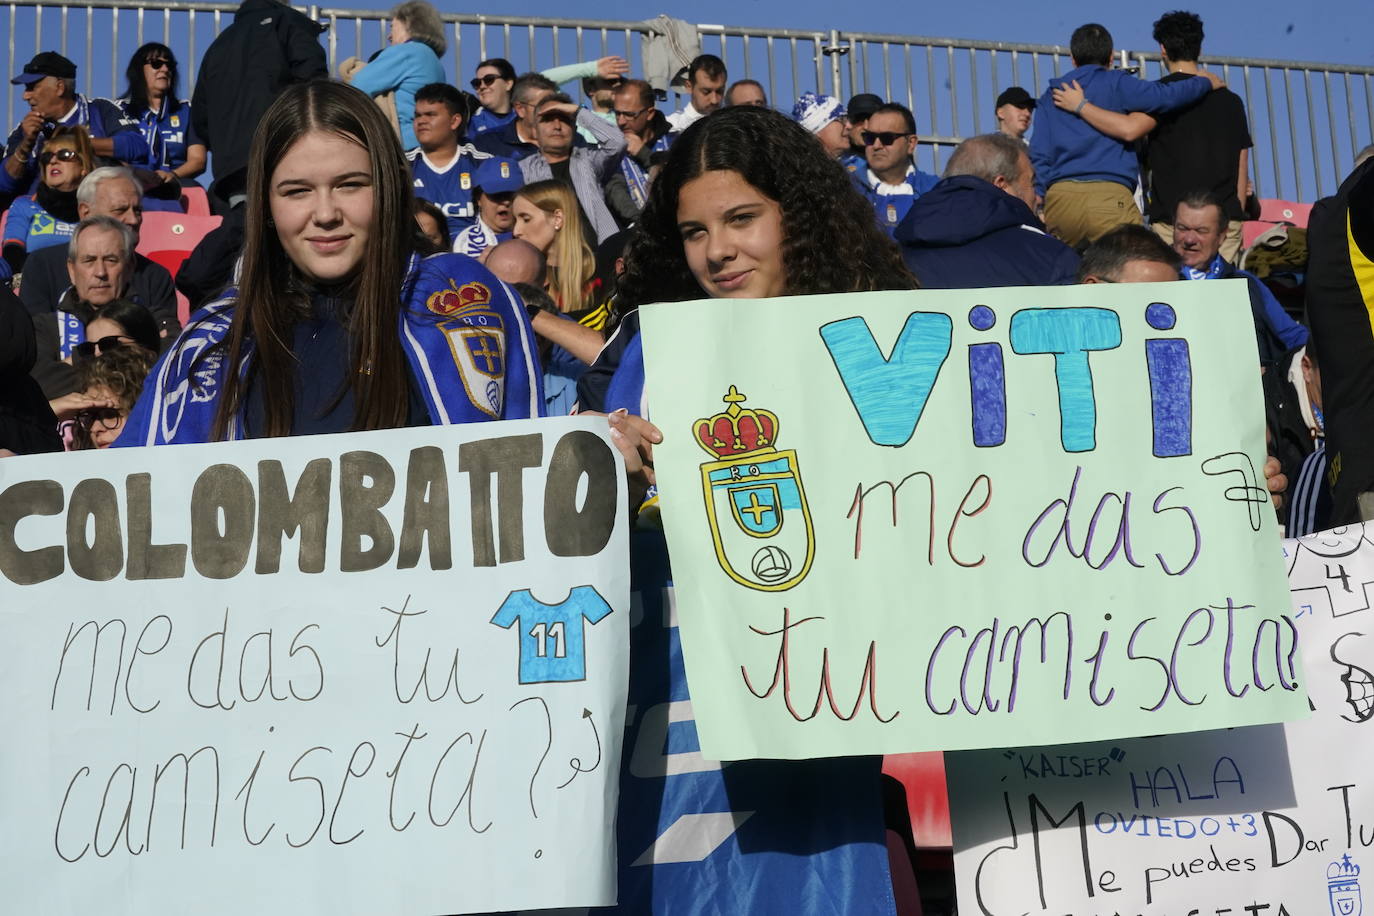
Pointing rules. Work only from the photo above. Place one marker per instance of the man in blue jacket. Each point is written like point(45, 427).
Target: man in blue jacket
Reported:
point(1199, 228)
point(1088, 179)
point(978, 227)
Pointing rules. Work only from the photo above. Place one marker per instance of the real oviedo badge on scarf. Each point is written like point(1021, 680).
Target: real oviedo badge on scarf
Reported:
point(755, 503)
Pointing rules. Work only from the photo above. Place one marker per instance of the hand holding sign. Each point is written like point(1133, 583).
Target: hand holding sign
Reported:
point(999, 513)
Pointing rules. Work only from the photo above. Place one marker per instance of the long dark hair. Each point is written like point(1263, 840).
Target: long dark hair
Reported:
point(272, 295)
point(832, 240)
point(138, 86)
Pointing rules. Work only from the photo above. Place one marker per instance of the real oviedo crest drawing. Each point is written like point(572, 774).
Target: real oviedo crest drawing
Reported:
point(755, 503)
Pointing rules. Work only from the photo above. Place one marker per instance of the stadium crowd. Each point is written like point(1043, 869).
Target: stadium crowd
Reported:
point(366, 216)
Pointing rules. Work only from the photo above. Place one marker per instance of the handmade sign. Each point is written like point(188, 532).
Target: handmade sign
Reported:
point(955, 519)
point(1269, 819)
point(375, 672)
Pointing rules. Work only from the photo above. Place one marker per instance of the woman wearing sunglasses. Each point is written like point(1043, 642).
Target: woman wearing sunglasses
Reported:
point(121, 323)
point(112, 382)
point(733, 215)
point(48, 216)
point(175, 153)
point(495, 83)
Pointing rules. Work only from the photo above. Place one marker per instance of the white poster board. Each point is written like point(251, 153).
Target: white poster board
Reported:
point(376, 672)
point(1260, 821)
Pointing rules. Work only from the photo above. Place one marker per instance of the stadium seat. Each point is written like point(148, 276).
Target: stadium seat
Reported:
point(173, 231)
point(169, 238)
point(195, 201)
point(923, 775)
point(1285, 211)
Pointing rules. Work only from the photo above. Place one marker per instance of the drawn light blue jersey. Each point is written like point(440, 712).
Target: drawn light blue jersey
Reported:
point(551, 644)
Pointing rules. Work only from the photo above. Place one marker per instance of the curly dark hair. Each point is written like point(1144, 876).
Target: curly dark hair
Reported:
point(121, 371)
point(832, 242)
point(1180, 33)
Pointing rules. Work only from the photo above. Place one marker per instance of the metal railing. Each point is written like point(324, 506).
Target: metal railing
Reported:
point(1307, 120)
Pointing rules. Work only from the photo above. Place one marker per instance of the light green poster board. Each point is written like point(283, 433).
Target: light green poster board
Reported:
point(955, 519)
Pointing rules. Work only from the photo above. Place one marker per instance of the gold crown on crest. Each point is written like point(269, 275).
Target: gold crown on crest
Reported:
point(737, 432)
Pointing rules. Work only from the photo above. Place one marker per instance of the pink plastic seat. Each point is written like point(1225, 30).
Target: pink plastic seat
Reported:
point(195, 201)
point(1285, 211)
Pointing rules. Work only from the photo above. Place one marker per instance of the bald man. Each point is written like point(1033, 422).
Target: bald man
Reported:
point(516, 261)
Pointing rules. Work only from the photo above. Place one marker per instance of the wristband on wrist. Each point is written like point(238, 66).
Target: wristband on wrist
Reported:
point(1079, 109)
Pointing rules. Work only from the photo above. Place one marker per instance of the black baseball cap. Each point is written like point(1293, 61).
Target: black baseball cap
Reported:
point(46, 63)
point(862, 106)
point(1015, 96)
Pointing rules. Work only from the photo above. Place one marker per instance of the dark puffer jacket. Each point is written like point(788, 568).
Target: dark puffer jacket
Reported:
point(967, 233)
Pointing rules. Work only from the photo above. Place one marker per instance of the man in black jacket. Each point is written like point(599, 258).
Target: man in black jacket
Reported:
point(978, 228)
point(111, 192)
point(1340, 264)
point(268, 47)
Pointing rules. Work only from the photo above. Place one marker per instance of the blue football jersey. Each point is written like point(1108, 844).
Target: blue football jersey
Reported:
point(449, 188)
point(551, 643)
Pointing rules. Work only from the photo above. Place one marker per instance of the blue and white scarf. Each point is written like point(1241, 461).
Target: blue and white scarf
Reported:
point(637, 180)
point(466, 336)
point(1214, 269)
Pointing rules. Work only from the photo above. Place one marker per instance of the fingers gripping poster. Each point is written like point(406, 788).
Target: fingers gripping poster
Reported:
point(1260, 821)
point(953, 519)
point(374, 672)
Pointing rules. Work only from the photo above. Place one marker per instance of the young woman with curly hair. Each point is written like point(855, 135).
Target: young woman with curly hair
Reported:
point(828, 240)
point(112, 380)
point(748, 206)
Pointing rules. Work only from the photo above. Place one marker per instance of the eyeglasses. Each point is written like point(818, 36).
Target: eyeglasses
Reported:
point(61, 155)
point(92, 348)
point(630, 115)
point(481, 82)
point(159, 64)
point(883, 138)
point(107, 418)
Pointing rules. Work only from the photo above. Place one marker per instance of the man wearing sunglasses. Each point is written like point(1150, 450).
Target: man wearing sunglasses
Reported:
point(892, 182)
point(49, 82)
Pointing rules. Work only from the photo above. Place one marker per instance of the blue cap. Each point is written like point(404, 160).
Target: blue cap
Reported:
point(498, 176)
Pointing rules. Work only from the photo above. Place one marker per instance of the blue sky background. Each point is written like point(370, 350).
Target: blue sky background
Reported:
point(951, 94)
point(1335, 31)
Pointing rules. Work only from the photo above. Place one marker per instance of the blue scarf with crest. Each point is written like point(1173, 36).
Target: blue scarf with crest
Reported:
point(466, 336)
